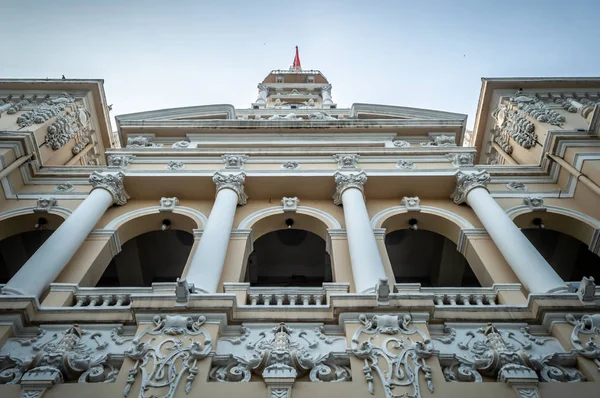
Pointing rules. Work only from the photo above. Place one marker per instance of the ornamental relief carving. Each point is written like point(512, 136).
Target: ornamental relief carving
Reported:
point(234, 181)
point(234, 161)
point(393, 362)
point(344, 181)
point(347, 161)
point(165, 354)
point(113, 183)
point(586, 328)
point(467, 181)
point(469, 354)
point(510, 122)
point(281, 352)
point(84, 355)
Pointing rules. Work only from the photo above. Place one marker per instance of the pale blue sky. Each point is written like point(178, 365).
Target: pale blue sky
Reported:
point(426, 54)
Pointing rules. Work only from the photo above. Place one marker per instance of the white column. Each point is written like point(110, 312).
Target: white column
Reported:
point(367, 266)
point(209, 259)
point(50, 259)
point(326, 94)
point(536, 275)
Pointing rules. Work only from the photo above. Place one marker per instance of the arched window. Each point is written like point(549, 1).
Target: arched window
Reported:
point(156, 256)
point(20, 237)
point(289, 257)
point(569, 257)
point(428, 258)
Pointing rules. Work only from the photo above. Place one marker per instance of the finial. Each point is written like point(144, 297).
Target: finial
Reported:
point(296, 67)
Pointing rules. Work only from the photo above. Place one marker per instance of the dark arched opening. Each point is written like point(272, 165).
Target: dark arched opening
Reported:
point(427, 258)
point(569, 257)
point(289, 257)
point(156, 256)
point(16, 250)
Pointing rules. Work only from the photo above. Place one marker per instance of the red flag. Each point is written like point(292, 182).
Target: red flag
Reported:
point(296, 66)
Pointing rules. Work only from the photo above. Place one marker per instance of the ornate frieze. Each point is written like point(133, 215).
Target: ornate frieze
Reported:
point(234, 161)
point(467, 181)
point(44, 205)
point(535, 203)
point(347, 161)
point(411, 203)
point(516, 186)
point(234, 181)
point(510, 122)
point(121, 161)
point(141, 142)
point(344, 181)
point(401, 144)
point(280, 352)
point(113, 183)
point(440, 140)
point(43, 112)
point(589, 326)
point(320, 115)
point(461, 159)
point(174, 165)
point(65, 187)
point(532, 106)
point(290, 204)
point(168, 204)
point(290, 165)
point(55, 355)
point(81, 144)
point(406, 164)
point(290, 116)
point(67, 126)
point(396, 361)
point(167, 352)
point(469, 353)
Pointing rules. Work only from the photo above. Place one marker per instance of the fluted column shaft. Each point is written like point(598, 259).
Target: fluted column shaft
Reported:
point(49, 260)
point(367, 266)
point(208, 260)
point(534, 272)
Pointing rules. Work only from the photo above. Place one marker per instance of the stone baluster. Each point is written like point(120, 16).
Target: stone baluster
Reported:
point(439, 300)
point(106, 300)
point(465, 299)
point(452, 300)
point(318, 299)
point(49, 260)
point(478, 299)
point(305, 299)
point(121, 300)
point(254, 298)
point(80, 301)
point(533, 271)
point(94, 300)
point(491, 300)
point(266, 298)
point(208, 260)
point(292, 299)
point(279, 299)
point(367, 266)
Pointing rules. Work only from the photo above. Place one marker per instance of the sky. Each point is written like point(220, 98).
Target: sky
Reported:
point(426, 54)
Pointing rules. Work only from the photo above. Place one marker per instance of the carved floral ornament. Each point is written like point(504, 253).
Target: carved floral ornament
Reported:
point(516, 186)
point(44, 205)
point(290, 204)
point(465, 182)
point(233, 181)
point(141, 142)
point(234, 161)
point(411, 203)
point(121, 161)
point(168, 204)
point(290, 165)
point(113, 183)
point(344, 181)
point(174, 165)
point(406, 164)
point(461, 159)
point(347, 161)
point(64, 187)
point(167, 352)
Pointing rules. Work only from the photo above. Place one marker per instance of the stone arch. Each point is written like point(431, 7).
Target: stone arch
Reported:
point(328, 221)
point(567, 221)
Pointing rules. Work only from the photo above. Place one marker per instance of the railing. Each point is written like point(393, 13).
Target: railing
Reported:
point(284, 296)
point(103, 297)
point(459, 296)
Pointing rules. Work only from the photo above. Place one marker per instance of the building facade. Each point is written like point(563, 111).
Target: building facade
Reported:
point(300, 249)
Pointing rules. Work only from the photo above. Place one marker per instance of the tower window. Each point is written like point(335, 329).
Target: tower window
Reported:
point(294, 106)
point(310, 79)
point(279, 79)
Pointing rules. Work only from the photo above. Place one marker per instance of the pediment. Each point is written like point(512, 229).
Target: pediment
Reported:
point(376, 111)
point(202, 112)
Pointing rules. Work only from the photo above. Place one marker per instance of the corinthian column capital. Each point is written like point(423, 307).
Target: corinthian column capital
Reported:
point(344, 181)
point(113, 183)
point(233, 181)
point(465, 182)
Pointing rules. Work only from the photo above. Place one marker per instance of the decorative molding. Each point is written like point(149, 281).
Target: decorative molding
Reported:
point(406, 164)
point(330, 221)
point(163, 360)
point(84, 140)
point(234, 182)
point(168, 204)
point(113, 183)
point(467, 353)
point(67, 126)
point(509, 122)
point(516, 186)
point(378, 219)
point(281, 352)
point(175, 165)
point(194, 214)
point(346, 161)
point(181, 144)
point(64, 187)
point(465, 182)
point(290, 204)
point(234, 161)
point(121, 161)
point(320, 116)
point(411, 203)
point(401, 144)
point(290, 165)
point(441, 141)
point(63, 355)
point(461, 159)
point(532, 106)
point(403, 356)
point(535, 203)
point(344, 181)
point(588, 325)
point(142, 141)
point(44, 205)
